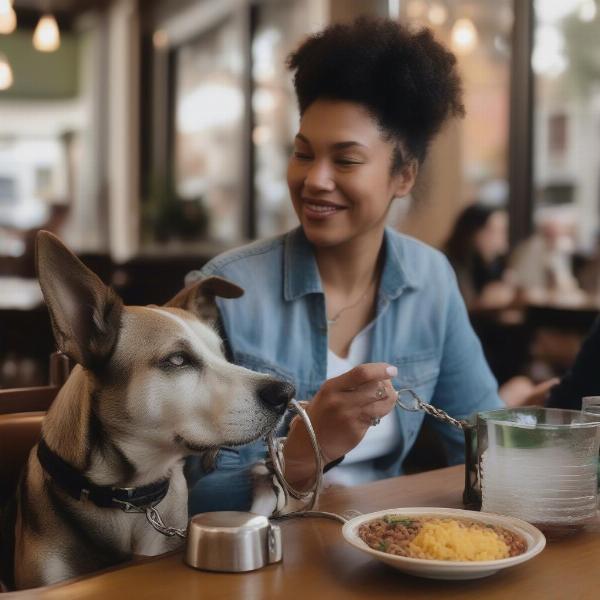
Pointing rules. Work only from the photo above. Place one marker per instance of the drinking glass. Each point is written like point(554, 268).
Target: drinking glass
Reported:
point(591, 405)
point(540, 465)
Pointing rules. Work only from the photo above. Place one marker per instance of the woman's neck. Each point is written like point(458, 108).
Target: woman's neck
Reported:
point(348, 267)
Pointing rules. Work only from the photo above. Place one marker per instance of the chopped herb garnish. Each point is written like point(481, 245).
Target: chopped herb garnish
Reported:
point(397, 520)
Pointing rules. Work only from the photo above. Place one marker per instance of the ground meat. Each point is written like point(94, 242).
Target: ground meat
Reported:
point(394, 533)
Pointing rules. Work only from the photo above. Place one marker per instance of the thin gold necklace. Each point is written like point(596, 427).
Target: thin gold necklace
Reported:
point(342, 310)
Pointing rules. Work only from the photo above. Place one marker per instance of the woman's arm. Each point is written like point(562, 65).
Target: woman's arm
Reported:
point(465, 384)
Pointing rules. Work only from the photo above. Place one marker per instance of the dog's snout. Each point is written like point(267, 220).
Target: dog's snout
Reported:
point(277, 394)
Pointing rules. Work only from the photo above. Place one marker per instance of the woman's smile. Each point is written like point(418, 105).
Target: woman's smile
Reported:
point(319, 210)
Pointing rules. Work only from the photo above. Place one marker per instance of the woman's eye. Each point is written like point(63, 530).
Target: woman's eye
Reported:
point(347, 162)
point(301, 155)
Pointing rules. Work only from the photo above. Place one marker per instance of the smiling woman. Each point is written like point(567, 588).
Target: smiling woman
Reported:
point(342, 306)
point(342, 170)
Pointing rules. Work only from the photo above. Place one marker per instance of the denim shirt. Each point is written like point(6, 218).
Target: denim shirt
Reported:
point(279, 327)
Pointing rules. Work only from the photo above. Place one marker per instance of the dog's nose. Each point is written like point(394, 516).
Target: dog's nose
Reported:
point(277, 394)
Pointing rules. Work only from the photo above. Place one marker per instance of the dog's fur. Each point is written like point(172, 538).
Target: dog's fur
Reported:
point(151, 386)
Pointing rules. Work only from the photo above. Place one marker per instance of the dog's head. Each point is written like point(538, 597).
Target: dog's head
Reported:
point(158, 371)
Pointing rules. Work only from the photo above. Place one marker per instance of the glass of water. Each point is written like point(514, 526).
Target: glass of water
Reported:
point(591, 406)
point(540, 465)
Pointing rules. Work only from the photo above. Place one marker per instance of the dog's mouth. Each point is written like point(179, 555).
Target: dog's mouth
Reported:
point(197, 448)
point(180, 441)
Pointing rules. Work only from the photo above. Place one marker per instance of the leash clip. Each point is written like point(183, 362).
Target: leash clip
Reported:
point(84, 495)
point(127, 507)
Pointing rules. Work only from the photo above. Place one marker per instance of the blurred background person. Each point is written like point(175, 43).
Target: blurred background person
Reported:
point(477, 249)
point(544, 262)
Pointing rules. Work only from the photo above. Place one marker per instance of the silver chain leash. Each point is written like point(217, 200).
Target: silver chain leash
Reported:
point(436, 413)
point(153, 517)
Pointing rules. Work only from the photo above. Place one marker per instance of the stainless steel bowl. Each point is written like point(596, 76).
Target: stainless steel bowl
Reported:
point(232, 541)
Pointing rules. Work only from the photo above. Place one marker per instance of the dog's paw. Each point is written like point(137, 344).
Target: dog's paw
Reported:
point(269, 497)
point(266, 492)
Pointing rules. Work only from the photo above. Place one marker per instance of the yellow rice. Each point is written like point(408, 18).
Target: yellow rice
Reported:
point(452, 540)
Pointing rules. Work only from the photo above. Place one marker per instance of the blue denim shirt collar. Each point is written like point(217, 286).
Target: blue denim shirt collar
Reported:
point(300, 271)
point(301, 274)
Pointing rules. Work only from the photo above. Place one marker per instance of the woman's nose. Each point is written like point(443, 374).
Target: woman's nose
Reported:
point(319, 177)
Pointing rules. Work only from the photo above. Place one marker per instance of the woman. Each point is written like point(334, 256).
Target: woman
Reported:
point(477, 250)
point(342, 306)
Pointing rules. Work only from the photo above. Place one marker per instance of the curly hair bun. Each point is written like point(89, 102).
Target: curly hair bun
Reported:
point(406, 79)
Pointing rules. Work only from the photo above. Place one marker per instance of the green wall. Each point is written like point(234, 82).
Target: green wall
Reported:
point(41, 75)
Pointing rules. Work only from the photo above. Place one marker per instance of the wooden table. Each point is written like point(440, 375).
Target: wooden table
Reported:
point(319, 564)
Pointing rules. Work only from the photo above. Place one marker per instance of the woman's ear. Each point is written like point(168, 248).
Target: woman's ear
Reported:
point(405, 178)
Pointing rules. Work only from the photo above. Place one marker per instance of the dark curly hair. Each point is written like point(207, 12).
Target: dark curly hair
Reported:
point(406, 80)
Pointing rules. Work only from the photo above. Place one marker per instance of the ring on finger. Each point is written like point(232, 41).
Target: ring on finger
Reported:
point(380, 393)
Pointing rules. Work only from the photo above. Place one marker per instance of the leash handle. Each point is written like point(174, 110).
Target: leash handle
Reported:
point(275, 448)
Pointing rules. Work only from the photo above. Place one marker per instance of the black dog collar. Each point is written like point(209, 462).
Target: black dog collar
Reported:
point(104, 496)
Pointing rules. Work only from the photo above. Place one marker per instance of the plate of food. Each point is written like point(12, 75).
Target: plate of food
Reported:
point(444, 543)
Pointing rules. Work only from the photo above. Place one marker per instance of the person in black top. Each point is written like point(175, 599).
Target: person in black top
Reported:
point(583, 378)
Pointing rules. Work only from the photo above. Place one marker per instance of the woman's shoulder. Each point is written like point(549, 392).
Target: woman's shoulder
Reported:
point(249, 259)
point(416, 256)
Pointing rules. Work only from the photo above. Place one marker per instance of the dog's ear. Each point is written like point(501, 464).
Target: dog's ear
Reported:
point(199, 298)
point(85, 313)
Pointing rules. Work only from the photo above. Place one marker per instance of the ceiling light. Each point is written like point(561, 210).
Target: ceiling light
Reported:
point(8, 17)
point(46, 37)
point(464, 36)
point(6, 75)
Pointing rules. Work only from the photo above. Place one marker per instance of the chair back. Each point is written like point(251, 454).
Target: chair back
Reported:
point(22, 411)
point(19, 433)
point(36, 399)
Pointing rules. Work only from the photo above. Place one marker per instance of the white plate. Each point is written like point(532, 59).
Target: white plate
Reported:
point(446, 569)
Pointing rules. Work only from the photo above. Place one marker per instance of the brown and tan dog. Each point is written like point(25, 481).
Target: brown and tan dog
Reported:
point(151, 386)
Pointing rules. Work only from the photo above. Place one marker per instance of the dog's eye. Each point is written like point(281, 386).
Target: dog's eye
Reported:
point(178, 359)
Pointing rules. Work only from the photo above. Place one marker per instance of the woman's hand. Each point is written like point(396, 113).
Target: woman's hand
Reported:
point(521, 391)
point(340, 413)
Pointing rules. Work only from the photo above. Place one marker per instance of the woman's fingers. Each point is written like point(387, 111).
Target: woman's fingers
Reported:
point(379, 408)
point(361, 375)
point(346, 406)
point(370, 393)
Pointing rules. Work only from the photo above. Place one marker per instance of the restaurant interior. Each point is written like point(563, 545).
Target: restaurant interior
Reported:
point(152, 136)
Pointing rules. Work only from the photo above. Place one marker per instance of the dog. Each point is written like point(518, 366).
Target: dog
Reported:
point(151, 386)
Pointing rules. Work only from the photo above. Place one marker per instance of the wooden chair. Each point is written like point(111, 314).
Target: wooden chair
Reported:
point(30, 399)
point(21, 413)
point(19, 433)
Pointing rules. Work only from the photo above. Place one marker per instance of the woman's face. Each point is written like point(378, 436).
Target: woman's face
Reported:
point(339, 174)
point(492, 240)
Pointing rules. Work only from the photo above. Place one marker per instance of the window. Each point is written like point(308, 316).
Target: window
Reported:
point(278, 28)
point(566, 143)
point(208, 134)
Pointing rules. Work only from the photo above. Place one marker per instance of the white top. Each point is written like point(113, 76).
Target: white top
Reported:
point(379, 439)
